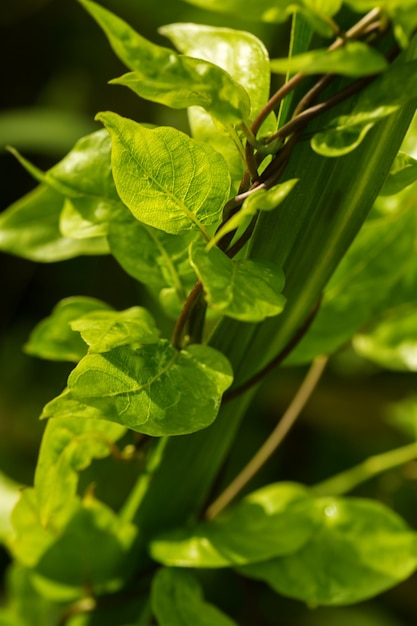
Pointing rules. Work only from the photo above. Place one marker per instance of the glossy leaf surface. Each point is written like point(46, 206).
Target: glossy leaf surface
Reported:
point(275, 520)
point(9, 495)
point(162, 75)
point(353, 59)
point(177, 600)
point(247, 290)
point(105, 330)
point(53, 337)
point(166, 179)
point(154, 389)
point(361, 549)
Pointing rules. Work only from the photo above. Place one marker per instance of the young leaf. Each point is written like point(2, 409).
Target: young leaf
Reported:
point(393, 89)
point(259, 200)
point(154, 389)
point(83, 218)
point(162, 75)
point(53, 338)
point(105, 330)
point(177, 600)
point(30, 228)
point(166, 179)
point(275, 520)
point(353, 59)
point(392, 341)
point(402, 174)
point(247, 290)
point(361, 549)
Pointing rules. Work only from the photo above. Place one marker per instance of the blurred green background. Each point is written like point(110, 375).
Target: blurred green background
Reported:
point(55, 64)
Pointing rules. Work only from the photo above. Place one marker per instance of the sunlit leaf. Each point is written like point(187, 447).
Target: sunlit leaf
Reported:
point(168, 180)
point(9, 495)
point(392, 341)
point(353, 59)
point(275, 520)
point(30, 228)
point(391, 90)
point(155, 389)
point(246, 59)
point(362, 549)
point(53, 337)
point(403, 173)
point(162, 75)
point(247, 290)
point(104, 330)
point(177, 600)
point(261, 200)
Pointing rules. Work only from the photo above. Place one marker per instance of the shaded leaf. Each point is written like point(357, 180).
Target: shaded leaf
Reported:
point(391, 90)
point(154, 389)
point(157, 259)
point(162, 75)
point(392, 341)
point(361, 549)
point(30, 228)
point(365, 283)
point(167, 180)
point(353, 59)
point(53, 337)
point(177, 600)
point(272, 521)
point(247, 290)
point(104, 330)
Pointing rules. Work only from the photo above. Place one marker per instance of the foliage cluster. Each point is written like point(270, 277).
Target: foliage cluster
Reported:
point(281, 228)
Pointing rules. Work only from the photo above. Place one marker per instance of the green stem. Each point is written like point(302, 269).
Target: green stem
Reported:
point(274, 440)
point(346, 481)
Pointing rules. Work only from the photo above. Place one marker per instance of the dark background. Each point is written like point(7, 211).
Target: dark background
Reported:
point(54, 67)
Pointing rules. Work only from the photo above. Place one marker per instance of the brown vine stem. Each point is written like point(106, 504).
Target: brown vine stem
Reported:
point(184, 316)
point(274, 440)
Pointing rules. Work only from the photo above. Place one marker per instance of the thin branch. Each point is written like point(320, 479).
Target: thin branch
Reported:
point(184, 316)
point(274, 440)
point(346, 481)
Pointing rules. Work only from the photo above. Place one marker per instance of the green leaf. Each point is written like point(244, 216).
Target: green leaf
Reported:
point(392, 341)
point(105, 330)
point(247, 290)
point(9, 495)
point(177, 600)
point(83, 218)
point(166, 179)
point(259, 200)
point(402, 174)
point(393, 89)
point(275, 520)
point(154, 389)
point(353, 59)
point(362, 549)
point(30, 228)
point(157, 259)
point(364, 284)
point(43, 512)
point(95, 548)
point(65, 405)
point(246, 59)
point(53, 337)
point(162, 75)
